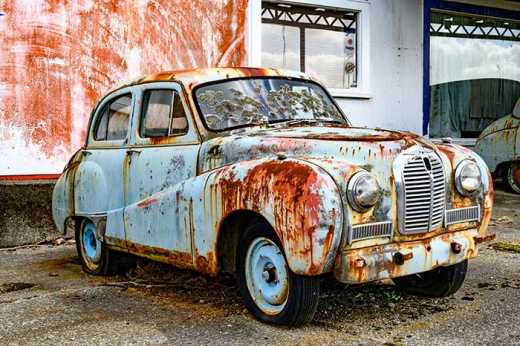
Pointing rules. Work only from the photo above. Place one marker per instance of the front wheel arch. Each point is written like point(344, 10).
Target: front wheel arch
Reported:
point(300, 200)
point(234, 225)
point(229, 235)
point(300, 294)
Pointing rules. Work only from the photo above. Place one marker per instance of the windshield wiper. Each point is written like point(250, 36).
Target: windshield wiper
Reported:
point(306, 121)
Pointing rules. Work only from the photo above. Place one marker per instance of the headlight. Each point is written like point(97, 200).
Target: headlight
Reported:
point(467, 178)
point(363, 191)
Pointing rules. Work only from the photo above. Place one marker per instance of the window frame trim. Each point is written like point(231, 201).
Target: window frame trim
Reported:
point(363, 89)
point(141, 119)
point(190, 137)
point(93, 122)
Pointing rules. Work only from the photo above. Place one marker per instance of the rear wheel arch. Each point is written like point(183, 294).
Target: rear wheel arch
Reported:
point(110, 262)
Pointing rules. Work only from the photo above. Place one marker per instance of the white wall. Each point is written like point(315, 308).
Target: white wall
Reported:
point(394, 64)
point(396, 70)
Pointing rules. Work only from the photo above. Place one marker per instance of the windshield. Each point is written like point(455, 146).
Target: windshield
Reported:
point(254, 101)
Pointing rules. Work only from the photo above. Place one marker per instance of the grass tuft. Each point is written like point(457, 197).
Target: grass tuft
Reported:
point(505, 246)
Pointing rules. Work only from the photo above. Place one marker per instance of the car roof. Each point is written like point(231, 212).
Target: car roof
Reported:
point(193, 77)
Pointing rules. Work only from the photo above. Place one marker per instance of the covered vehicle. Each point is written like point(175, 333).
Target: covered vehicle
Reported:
point(258, 172)
point(499, 146)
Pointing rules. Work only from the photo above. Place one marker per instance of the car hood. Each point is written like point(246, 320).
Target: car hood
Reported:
point(359, 146)
point(338, 151)
point(331, 133)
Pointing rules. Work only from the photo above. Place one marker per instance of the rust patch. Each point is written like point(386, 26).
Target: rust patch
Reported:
point(179, 259)
point(483, 239)
point(516, 175)
point(294, 190)
point(206, 264)
point(145, 203)
point(54, 70)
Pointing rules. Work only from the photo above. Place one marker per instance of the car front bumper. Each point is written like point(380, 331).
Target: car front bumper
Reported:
point(405, 258)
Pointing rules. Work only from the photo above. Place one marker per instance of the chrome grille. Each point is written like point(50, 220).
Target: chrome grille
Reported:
point(462, 215)
point(424, 192)
point(371, 230)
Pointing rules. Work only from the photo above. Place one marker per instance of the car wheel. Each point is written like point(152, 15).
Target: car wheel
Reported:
point(271, 292)
point(439, 282)
point(512, 177)
point(95, 258)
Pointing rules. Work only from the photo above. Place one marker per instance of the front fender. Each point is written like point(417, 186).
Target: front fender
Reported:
point(299, 199)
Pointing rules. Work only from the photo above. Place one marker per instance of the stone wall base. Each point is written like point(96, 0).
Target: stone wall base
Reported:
point(26, 213)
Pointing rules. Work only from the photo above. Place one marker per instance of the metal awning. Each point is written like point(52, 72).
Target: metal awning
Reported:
point(454, 24)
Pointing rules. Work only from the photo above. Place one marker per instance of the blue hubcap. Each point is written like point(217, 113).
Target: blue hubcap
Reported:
point(91, 245)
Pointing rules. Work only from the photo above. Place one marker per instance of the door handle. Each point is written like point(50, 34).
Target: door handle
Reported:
point(86, 152)
point(133, 151)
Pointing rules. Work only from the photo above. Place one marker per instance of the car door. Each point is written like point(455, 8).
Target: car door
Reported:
point(164, 155)
point(98, 182)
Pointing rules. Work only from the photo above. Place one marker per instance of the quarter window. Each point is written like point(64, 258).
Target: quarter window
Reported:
point(319, 41)
point(114, 119)
point(163, 114)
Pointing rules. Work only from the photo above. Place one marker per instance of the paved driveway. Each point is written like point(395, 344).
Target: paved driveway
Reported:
point(46, 299)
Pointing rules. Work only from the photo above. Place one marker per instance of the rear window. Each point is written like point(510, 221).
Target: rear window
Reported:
point(112, 124)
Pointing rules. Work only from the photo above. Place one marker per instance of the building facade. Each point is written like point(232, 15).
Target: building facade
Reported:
point(439, 68)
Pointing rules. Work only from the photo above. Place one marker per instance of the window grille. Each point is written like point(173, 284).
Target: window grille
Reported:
point(301, 29)
point(309, 17)
point(469, 26)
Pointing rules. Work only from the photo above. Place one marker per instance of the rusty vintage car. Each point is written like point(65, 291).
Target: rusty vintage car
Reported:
point(499, 146)
point(258, 172)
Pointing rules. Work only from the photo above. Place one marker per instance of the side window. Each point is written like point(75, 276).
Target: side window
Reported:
point(163, 114)
point(179, 123)
point(113, 122)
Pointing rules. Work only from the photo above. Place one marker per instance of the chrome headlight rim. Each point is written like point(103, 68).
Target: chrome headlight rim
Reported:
point(355, 179)
point(458, 178)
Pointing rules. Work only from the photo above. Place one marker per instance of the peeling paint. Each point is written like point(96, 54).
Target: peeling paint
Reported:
point(59, 57)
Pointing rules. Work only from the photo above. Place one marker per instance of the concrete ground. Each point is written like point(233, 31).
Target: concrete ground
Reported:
point(45, 298)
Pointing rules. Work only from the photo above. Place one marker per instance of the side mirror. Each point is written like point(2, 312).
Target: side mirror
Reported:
point(516, 110)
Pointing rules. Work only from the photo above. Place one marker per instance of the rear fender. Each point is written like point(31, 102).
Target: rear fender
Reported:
point(63, 205)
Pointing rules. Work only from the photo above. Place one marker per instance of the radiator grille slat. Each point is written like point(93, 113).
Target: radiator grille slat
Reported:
point(462, 215)
point(424, 193)
point(371, 230)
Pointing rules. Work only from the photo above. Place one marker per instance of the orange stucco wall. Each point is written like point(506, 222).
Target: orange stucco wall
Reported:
point(58, 57)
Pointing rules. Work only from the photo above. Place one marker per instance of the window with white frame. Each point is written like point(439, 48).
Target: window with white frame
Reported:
point(317, 40)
